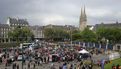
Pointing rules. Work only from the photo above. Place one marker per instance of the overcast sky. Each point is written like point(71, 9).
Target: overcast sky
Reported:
point(61, 12)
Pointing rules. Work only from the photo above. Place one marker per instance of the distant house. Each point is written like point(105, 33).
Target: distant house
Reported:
point(97, 26)
point(17, 22)
point(11, 24)
point(38, 30)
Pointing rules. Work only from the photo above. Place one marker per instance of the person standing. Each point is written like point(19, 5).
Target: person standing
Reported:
point(64, 67)
point(28, 65)
point(113, 66)
point(71, 67)
point(117, 66)
point(78, 67)
point(17, 66)
point(6, 62)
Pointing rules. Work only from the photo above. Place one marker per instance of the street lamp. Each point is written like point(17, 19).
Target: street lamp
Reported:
point(107, 41)
point(22, 56)
point(71, 35)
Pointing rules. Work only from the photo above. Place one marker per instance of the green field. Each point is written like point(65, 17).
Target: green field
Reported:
point(115, 62)
point(109, 66)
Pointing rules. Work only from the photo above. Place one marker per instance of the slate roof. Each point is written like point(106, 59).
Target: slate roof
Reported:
point(97, 26)
point(17, 20)
point(37, 28)
point(4, 26)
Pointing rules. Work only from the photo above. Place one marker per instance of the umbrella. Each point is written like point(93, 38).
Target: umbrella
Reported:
point(83, 51)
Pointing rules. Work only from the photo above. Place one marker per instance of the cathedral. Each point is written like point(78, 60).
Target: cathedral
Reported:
point(82, 20)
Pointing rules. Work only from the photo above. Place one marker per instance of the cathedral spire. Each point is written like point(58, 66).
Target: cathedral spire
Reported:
point(84, 11)
point(81, 12)
point(82, 20)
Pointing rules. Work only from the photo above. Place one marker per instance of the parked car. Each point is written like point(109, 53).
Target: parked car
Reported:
point(19, 57)
point(13, 57)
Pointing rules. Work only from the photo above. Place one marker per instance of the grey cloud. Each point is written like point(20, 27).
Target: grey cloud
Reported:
point(37, 10)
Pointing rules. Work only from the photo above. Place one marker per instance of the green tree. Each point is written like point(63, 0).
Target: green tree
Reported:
point(56, 34)
point(112, 34)
point(20, 34)
point(75, 31)
point(27, 33)
point(76, 36)
point(85, 36)
point(88, 35)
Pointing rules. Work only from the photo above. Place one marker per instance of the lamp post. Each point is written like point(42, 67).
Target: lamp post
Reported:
point(107, 43)
point(22, 56)
point(71, 36)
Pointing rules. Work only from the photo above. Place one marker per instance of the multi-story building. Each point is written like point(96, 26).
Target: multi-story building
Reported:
point(64, 27)
point(90, 27)
point(11, 24)
point(38, 30)
point(97, 26)
point(17, 22)
point(4, 28)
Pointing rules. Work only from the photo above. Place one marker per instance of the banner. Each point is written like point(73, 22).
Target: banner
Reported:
point(110, 47)
point(103, 62)
point(91, 45)
point(118, 47)
point(96, 45)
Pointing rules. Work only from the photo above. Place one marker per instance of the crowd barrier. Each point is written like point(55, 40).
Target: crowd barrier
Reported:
point(110, 47)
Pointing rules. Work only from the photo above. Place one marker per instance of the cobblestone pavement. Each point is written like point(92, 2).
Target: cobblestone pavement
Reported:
point(43, 66)
point(48, 65)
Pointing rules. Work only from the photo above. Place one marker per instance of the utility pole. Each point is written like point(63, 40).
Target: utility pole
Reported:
point(22, 56)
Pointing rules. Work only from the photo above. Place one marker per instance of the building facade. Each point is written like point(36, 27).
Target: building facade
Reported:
point(4, 28)
point(97, 26)
point(11, 24)
point(64, 27)
point(38, 30)
point(82, 20)
point(17, 22)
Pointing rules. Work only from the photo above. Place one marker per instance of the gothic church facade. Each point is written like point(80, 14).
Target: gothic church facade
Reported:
point(82, 20)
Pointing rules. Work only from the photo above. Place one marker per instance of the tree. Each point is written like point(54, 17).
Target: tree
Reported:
point(88, 35)
point(27, 33)
point(75, 31)
point(112, 34)
point(56, 34)
point(85, 36)
point(76, 36)
point(20, 34)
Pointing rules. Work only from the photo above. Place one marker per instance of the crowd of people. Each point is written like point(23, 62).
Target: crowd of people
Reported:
point(116, 66)
point(64, 54)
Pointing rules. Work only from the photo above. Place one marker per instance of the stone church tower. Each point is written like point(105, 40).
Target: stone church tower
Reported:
point(82, 20)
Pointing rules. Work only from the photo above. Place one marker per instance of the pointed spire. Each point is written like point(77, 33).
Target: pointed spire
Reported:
point(81, 12)
point(84, 11)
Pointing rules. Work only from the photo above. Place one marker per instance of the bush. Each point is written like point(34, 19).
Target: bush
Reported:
point(87, 63)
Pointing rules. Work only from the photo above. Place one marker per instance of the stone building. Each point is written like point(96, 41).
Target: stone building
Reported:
point(90, 27)
point(17, 22)
point(82, 20)
point(11, 24)
point(64, 27)
point(38, 30)
point(4, 28)
point(97, 26)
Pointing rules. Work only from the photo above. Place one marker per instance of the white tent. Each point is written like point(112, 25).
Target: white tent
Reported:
point(83, 51)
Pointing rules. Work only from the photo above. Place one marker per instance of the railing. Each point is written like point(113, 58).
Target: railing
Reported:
point(96, 45)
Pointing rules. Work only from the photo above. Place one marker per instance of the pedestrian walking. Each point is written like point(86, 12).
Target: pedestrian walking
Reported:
point(6, 62)
point(17, 66)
